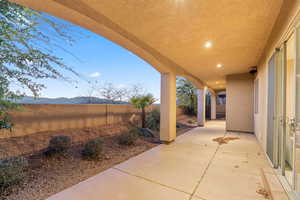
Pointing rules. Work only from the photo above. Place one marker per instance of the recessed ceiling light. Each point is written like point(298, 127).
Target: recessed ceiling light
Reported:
point(219, 65)
point(208, 44)
point(217, 82)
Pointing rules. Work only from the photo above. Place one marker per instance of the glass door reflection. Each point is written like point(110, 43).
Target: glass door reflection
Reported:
point(289, 138)
point(297, 112)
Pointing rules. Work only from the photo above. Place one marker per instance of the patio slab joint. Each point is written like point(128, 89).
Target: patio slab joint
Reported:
point(152, 181)
point(201, 178)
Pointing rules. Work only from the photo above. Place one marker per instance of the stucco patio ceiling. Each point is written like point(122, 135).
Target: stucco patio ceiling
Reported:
point(170, 34)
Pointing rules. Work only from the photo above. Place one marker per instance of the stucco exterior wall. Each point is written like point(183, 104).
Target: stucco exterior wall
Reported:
point(260, 118)
point(221, 110)
point(38, 118)
point(239, 103)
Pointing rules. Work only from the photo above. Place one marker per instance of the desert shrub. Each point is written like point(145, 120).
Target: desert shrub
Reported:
point(188, 110)
point(153, 120)
point(93, 149)
point(179, 125)
point(146, 132)
point(12, 171)
point(190, 121)
point(129, 138)
point(5, 123)
point(59, 144)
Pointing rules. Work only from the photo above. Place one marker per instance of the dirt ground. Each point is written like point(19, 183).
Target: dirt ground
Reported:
point(49, 175)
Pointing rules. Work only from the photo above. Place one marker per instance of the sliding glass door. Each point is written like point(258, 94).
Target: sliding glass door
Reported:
point(280, 102)
point(276, 106)
point(287, 109)
point(296, 125)
point(283, 144)
point(289, 137)
point(271, 131)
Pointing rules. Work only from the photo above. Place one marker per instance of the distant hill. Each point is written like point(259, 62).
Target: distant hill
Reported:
point(62, 100)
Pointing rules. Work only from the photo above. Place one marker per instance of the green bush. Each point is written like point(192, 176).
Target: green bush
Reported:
point(190, 121)
point(146, 132)
point(189, 110)
point(179, 125)
point(153, 120)
point(5, 123)
point(59, 144)
point(93, 149)
point(129, 138)
point(12, 171)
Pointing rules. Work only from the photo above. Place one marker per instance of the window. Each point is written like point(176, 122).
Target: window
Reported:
point(256, 96)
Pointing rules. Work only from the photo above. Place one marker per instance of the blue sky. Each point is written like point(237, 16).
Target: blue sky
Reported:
point(107, 61)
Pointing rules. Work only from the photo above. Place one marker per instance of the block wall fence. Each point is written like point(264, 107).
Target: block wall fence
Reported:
point(35, 118)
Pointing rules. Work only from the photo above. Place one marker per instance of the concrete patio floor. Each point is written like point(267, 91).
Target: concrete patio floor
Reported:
point(194, 167)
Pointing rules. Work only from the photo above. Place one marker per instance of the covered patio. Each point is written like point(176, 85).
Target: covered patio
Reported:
point(193, 167)
point(217, 45)
point(204, 42)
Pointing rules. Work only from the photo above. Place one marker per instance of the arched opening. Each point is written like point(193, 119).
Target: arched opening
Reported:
point(100, 25)
point(169, 113)
point(215, 52)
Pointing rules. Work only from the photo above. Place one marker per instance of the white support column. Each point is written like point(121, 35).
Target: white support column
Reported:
point(213, 111)
point(168, 107)
point(201, 107)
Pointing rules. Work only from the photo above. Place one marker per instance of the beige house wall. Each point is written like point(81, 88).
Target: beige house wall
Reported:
point(239, 103)
point(260, 118)
point(39, 118)
point(284, 25)
point(221, 109)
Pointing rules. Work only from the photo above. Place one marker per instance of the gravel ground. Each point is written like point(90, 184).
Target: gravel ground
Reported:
point(25, 145)
point(49, 175)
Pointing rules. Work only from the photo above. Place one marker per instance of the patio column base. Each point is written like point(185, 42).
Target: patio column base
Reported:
point(167, 142)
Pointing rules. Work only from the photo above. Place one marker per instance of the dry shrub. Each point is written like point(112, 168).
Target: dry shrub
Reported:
point(12, 171)
point(93, 149)
point(58, 144)
point(129, 138)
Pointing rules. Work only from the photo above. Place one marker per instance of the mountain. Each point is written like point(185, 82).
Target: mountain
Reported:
point(62, 100)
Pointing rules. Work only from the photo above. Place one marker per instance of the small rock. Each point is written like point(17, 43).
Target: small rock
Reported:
point(106, 157)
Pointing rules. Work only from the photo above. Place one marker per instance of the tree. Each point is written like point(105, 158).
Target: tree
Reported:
point(186, 95)
point(91, 91)
point(108, 91)
point(136, 90)
point(121, 93)
point(6, 105)
point(113, 93)
point(142, 102)
point(27, 51)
